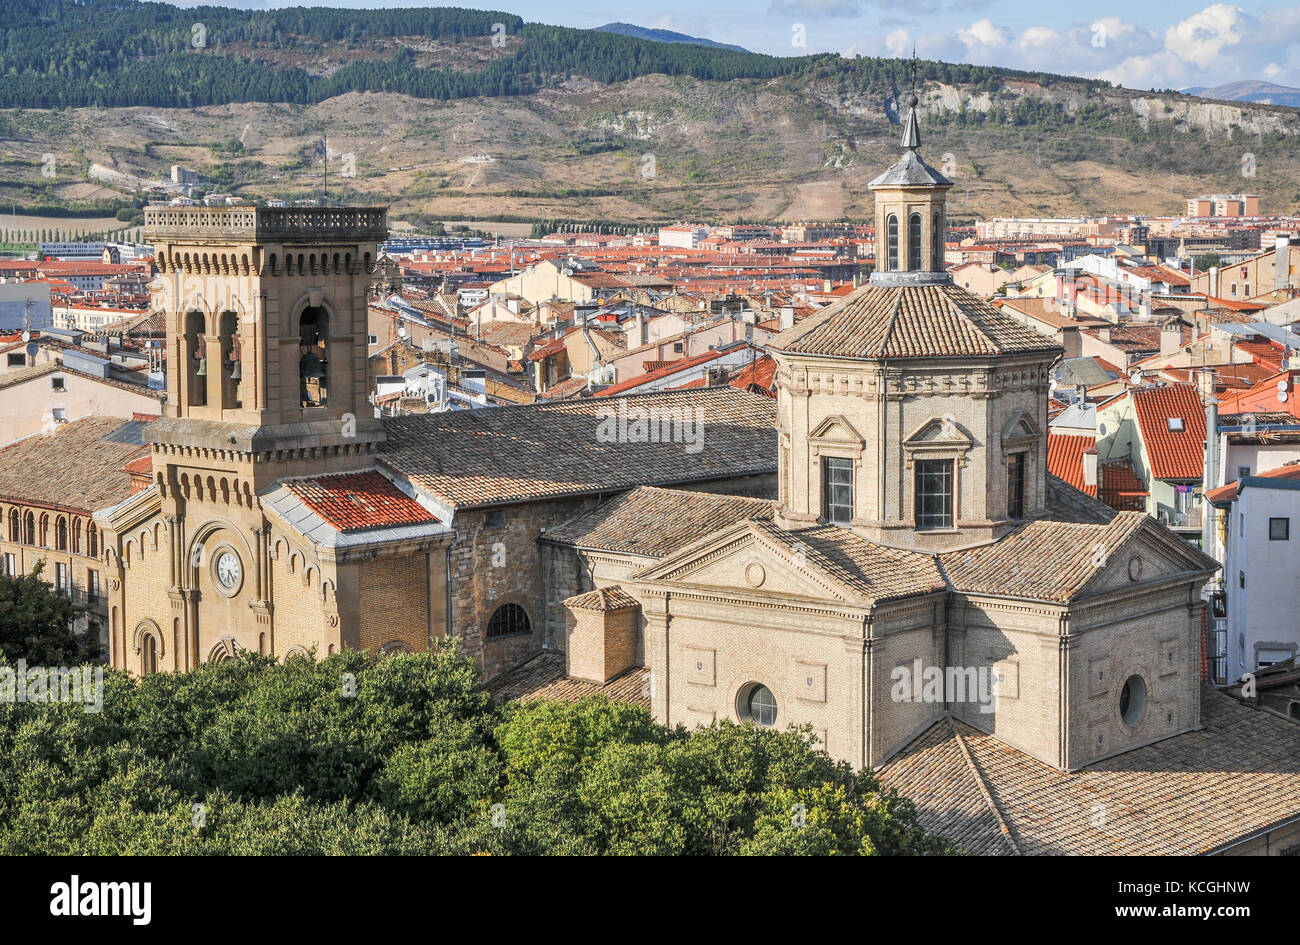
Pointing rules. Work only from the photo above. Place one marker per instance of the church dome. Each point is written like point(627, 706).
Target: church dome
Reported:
point(921, 321)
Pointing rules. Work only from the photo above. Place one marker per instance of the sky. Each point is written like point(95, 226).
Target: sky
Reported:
point(1141, 45)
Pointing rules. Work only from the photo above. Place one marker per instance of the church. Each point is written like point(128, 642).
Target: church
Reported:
point(878, 556)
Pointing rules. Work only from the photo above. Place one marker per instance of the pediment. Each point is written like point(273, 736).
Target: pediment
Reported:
point(1150, 555)
point(938, 431)
point(743, 559)
point(837, 429)
point(1021, 426)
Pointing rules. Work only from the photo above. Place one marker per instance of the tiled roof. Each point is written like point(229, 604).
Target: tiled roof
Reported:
point(1171, 454)
point(472, 458)
point(656, 522)
point(73, 466)
point(1054, 561)
point(356, 501)
point(931, 321)
point(1225, 494)
point(1186, 795)
point(543, 678)
point(1065, 459)
point(603, 599)
point(874, 571)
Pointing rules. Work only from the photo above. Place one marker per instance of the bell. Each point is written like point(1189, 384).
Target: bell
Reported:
point(203, 367)
point(235, 372)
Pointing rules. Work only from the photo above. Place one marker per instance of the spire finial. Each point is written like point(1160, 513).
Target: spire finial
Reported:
point(911, 128)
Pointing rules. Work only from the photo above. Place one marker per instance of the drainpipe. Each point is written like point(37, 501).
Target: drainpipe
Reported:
point(1211, 474)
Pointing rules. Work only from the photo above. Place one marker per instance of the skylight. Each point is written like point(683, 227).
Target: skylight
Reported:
point(1175, 424)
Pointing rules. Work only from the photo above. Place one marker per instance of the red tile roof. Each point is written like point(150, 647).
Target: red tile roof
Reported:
point(1172, 454)
point(1225, 494)
point(1065, 459)
point(356, 501)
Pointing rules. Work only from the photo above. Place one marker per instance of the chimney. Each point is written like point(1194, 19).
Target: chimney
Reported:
point(1103, 335)
point(1214, 281)
point(1282, 262)
point(1090, 466)
point(641, 332)
point(787, 317)
point(1171, 339)
point(1070, 341)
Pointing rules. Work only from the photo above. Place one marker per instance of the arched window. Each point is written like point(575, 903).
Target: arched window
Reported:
point(61, 535)
point(891, 243)
point(936, 244)
point(29, 529)
point(914, 243)
point(509, 620)
point(14, 534)
point(231, 361)
point(313, 358)
point(76, 537)
point(43, 532)
point(196, 360)
point(148, 655)
point(92, 541)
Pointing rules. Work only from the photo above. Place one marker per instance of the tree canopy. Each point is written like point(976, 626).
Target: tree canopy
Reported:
point(407, 754)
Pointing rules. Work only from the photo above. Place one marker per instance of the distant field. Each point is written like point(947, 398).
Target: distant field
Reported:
point(9, 221)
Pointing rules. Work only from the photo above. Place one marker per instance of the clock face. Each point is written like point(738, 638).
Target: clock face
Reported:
point(228, 570)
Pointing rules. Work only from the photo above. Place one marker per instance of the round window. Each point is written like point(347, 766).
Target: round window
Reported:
point(757, 704)
point(1133, 700)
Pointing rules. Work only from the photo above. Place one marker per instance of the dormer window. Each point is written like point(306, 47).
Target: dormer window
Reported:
point(933, 494)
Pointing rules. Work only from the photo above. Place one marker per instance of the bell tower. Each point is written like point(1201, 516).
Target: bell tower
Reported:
point(266, 328)
point(910, 222)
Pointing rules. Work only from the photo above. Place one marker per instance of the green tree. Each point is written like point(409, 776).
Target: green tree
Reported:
point(36, 623)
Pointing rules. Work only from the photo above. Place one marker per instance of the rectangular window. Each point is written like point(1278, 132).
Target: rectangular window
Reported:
point(92, 583)
point(11, 564)
point(56, 383)
point(837, 490)
point(933, 493)
point(17, 360)
point(372, 339)
point(1279, 529)
point(61, 576)
point(1243, 472)
point(1016, 485)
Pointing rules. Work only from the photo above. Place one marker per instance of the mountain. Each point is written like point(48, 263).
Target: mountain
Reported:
point(448, 114)
point(1250, 90)
point(662, 36)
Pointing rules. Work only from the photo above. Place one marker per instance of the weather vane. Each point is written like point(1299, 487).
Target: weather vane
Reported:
point(913, 66)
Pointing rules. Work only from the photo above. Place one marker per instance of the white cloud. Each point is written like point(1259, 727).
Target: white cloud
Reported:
point(1203, 37)
point(984, 33)
point(1037, 37)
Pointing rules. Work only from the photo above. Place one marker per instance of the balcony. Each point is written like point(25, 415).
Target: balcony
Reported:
point(1173, 518)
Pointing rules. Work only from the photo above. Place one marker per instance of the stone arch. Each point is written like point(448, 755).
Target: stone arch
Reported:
point(147, 627)
point(296, 561)
point(224, 649)
point(327, 590)
point(395, 646)
point(307, 573)
point(75, 546)
point(278, 543)
point(296, 652)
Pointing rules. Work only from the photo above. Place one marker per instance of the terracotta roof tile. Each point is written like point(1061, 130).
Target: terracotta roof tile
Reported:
point(603, 599)
point(73, 466)
point(653, 522)
point(1065, 459)
point(933, 321)
point(501, 455)
point(1190, 794)
point(1173, 454)
point(357, 501)
point(543, 678)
